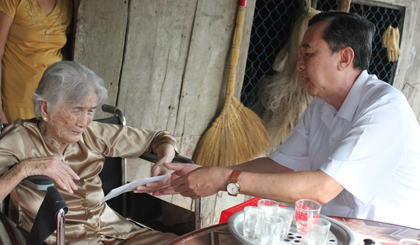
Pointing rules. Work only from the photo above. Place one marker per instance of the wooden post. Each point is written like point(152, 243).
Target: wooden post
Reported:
point(314, 4)
point(344, 5)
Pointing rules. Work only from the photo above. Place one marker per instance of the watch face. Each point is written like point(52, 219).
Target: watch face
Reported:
point(232, 188)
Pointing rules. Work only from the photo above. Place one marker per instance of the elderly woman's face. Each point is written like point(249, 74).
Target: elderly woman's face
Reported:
point(70, 120)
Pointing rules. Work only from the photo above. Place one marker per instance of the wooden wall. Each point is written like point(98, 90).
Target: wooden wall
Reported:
point(164, 63)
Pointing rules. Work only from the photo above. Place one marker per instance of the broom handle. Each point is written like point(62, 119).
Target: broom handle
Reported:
point(344, 5)
point(236, 44)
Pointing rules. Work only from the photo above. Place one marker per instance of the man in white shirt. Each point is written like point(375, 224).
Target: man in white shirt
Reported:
point(356, 148)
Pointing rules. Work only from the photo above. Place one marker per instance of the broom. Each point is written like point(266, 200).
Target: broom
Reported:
point(238, 134)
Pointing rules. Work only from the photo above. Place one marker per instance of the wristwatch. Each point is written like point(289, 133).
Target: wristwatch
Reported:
point(233, 186)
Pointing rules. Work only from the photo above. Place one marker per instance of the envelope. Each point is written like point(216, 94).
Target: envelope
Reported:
point(131, 186)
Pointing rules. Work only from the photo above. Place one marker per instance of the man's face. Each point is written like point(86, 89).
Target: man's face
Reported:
point(317, 62)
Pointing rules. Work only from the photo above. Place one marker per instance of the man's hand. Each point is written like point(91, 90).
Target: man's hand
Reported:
point(201, 182)
point(52, 167)
point(179, 169)
point(158, 169)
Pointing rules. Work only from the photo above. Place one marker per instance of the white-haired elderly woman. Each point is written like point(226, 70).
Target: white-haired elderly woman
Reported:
point(63, 143)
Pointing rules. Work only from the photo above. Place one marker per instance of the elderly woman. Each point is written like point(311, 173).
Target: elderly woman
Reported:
point(63, 143)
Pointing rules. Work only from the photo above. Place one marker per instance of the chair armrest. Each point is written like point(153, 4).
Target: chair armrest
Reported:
point(109, 108)
point(39, 182)
point(177, 159)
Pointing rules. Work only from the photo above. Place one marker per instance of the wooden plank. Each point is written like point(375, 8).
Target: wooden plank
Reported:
point(203, 90)
point(208, 204)
point(224, 201)
point(157, 46)
point(99, 41)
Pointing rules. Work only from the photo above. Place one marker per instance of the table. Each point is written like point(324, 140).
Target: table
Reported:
point(381, 233)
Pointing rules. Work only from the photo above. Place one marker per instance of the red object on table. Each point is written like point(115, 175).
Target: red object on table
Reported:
point(225, 215)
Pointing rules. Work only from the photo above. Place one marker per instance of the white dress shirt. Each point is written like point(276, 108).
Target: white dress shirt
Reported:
point(371, 146)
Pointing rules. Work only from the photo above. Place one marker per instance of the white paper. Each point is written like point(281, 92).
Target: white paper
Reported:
point(131, 186)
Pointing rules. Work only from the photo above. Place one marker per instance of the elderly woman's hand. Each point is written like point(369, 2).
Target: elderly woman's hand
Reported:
point(179, 169)
point(52, 167)
point(165, 153)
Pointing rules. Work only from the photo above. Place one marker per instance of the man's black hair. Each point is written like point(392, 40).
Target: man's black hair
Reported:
point(348, 30)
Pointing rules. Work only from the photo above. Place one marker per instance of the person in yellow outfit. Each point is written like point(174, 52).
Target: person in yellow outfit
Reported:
point(32, 34)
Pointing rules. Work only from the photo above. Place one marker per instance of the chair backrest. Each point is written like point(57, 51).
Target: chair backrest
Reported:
point(112, 175)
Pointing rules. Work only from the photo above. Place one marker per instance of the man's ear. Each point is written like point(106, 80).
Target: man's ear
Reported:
point(43, 109)
point(346, 58)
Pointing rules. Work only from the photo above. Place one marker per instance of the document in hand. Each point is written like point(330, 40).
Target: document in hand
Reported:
point(131, 186)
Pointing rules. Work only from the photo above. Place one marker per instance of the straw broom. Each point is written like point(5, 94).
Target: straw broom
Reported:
point(238, 134)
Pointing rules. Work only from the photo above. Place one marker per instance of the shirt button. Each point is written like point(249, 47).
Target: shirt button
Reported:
point(27, 7)
point(333, 139)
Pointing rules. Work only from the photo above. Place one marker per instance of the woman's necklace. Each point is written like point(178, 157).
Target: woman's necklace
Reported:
point(46, 24)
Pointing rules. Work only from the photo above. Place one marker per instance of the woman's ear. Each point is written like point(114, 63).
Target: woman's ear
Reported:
point(43, 109)
point(346, 58)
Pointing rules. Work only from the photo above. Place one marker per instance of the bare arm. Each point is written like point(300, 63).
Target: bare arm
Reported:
point(260, 177)
point(5, 24)
point(51, 166)
point(9, 181)
point(290, 187)
point(261, 165)
point(166, 153)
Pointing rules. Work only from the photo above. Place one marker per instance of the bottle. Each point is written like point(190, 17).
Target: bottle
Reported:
point(369, 242)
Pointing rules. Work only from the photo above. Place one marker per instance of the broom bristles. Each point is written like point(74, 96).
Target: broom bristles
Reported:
point(236, 136)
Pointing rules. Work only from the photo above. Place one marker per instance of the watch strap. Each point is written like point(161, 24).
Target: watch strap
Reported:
point(234, 176)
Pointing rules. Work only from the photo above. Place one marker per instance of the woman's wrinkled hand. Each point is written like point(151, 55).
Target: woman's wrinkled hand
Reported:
point(166, 154)
point(52, 167)
point(177, 169)
point(158, 169)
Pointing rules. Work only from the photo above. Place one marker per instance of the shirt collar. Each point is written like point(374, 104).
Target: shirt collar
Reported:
point(351, 102)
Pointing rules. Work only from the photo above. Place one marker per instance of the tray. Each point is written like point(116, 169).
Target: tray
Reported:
point(339, 234)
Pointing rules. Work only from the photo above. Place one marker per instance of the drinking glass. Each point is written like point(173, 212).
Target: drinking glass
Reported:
point(268, 207)
point(408, 241)
point(251, 223)
point(321, 232)
point(271, 227)
point(307, 215)
point(287, 215)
